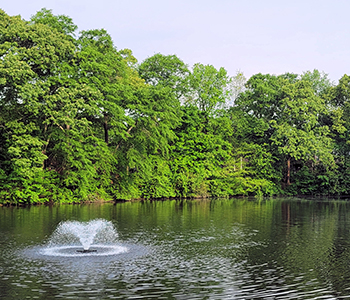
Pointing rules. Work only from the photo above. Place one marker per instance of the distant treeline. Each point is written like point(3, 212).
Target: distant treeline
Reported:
point(83, 121)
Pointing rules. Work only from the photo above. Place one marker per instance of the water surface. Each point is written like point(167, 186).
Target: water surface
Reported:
point(219, 249)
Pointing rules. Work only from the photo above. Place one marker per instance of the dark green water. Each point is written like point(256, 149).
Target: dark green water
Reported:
point(220, 249)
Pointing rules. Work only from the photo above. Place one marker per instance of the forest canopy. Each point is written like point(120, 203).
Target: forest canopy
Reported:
point(81, 120)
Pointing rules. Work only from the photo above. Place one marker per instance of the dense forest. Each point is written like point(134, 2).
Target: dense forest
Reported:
point(81, 120)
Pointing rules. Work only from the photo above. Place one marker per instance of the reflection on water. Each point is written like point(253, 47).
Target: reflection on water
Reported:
point(220, 249)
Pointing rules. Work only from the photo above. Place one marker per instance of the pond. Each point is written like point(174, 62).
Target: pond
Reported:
point(207, 249)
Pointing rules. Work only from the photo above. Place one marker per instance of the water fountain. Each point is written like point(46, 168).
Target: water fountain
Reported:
point(72, 238)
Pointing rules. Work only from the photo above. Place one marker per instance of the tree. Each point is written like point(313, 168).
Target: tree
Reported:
point(166, 71)
point(61, 23)
point(319, 81)
point(237, 86)
point(200, 155)
point(50, 113)
point(104, 69)
point(209, 88)
point(287, 111)
point(338, 120)
point(154, 114)
point(33, 56)
point(298, 132)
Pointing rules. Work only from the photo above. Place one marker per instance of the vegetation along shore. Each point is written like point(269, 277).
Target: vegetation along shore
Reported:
point(81, 120)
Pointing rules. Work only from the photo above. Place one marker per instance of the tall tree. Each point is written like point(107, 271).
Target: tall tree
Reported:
point(103, 68)
point(209, 88)
point(338, 120)
point(237, 86)
point(319, 81)
point(287, 110)
point(61, 23)
point(166, 71)
point(299, 135)
point(33, 58)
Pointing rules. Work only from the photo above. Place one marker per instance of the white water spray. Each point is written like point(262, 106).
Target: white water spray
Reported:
point(71, 237)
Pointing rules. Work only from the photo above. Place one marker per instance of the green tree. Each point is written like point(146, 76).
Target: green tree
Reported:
point(166, 71)
point(33, 56)
point(285, 112)
point(61, 23)
point(49, 115)
point(338, 121)
point(154, 114)
point(319, 81)
point(209, 88)
point(200, 155)
point(298, 132)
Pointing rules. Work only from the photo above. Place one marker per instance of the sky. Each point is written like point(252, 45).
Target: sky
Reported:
point(251, 36)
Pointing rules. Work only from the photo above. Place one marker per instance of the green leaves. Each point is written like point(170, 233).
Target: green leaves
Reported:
point(298, 132)
point(80, 120)
point(166, 71)
point(209, 88)
point(289, 111)
point(61, 23)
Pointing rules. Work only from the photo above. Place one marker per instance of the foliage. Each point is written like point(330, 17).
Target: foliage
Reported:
point(81, 120)
point(209, 88)
point(166, 71)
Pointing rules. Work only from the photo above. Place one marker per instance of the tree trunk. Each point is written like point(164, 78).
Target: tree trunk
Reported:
point(288, 171)
point(105, 127)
